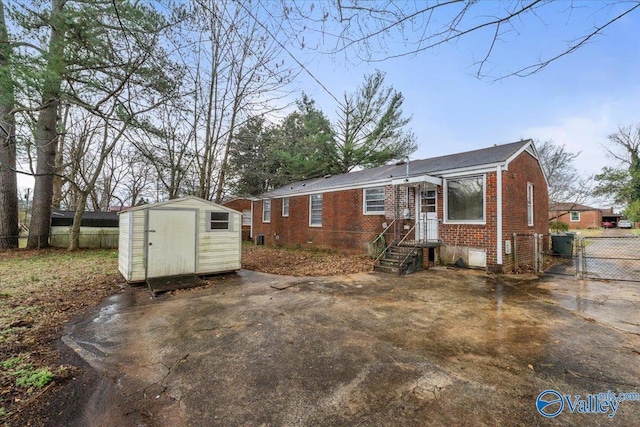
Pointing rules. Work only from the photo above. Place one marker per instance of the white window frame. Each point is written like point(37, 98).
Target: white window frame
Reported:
point(445, 197)
point(218, 221)
point(311, 196)
point(571, 216)
point(285, 204)
point(266, 218)
point(246, 217)
point(365, 208)
point(530, 219)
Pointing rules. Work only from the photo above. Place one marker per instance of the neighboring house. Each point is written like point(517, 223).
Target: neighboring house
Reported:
point(97, 229)
point(609, 216)
point(178, 237)
point(576, 215)
point(465, 205)
point(241, 205)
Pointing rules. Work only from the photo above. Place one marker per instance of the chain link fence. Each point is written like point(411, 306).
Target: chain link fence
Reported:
point(539, 253)
point(609, 258)
point(603, 258)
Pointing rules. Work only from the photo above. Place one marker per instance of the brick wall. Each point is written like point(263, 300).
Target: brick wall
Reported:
point(522, 170)
point(473, 235)
point(241, 205)
point(588, 219)
point(344, 226)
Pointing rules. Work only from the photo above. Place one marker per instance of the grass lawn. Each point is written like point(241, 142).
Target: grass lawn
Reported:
point(39, 292)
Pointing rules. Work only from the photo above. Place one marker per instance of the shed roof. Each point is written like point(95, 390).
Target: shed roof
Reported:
point(178, 201)
point(435, 166)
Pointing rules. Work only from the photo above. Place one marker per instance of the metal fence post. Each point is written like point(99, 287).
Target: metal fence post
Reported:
point(580, 260)
point(535, 253)
point(515, 251)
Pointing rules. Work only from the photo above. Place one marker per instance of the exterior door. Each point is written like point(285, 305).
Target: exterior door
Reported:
point(171, 242)
point(428, 219)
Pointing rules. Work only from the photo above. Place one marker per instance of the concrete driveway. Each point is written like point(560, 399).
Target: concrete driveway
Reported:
point(440, 347)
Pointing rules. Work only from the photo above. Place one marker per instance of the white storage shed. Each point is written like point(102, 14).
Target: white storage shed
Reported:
point(178, 237)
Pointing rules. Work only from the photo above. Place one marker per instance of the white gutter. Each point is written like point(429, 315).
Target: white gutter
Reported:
point(499, 214)
point(417, 179)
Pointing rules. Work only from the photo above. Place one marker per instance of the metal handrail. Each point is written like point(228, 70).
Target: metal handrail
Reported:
point(383, 231)
point(388, 246)
point(415, 245)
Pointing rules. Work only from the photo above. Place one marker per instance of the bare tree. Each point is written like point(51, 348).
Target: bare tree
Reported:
point(367, 29)
point(237, 72)
point(622, 181)
point(566, 184)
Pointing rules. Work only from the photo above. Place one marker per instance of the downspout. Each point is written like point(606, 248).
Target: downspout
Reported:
point(499, 214)
point(251, 224)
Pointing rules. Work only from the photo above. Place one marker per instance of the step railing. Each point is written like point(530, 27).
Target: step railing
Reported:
point(381, 236)
point(411, 252)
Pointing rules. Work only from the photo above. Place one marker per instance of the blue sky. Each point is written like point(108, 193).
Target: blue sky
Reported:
point(577, 101)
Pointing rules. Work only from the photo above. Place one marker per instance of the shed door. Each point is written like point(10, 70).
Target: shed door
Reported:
point(171, 249)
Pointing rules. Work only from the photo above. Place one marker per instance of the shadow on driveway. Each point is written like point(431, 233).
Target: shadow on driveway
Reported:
point(440, 347)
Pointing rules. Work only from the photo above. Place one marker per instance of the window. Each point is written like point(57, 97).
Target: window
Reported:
point(315, 210)
point(575, 216)
point(465, 199)
point(246, 217)
point(218, 221)
point(529, 204)
point(374, 200)
point(266, 211)
point(285, 206)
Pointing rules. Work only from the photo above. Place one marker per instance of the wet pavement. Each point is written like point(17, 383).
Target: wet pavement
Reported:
point(440, 347)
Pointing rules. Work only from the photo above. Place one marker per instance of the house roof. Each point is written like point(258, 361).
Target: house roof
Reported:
point(570, 207)
point(435, 166)
point(89, 219)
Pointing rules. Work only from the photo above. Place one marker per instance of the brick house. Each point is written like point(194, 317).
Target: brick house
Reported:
point(243, 205)
point(576, 215)
point(465, 205)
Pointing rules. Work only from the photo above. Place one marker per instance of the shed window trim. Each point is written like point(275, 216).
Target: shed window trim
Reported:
point(285, 207)
point(449, 198)
point(530, 221)
point(373, 201)
point(218, 221)
point(266, 210)
point(315, 210)
point(574, 216)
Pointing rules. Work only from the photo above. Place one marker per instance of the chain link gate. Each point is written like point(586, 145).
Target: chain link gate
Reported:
point(608, 258)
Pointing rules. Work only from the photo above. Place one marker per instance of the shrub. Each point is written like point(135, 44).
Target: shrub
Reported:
point(558, 226)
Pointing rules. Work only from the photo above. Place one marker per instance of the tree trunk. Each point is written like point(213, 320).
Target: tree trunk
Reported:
point(8, 183)
point(74, 232)
point(46, 134)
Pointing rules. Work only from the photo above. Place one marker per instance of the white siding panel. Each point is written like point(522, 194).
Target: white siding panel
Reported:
point(123, 245)
point(138, 253)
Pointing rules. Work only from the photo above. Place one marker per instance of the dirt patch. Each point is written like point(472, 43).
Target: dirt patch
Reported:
point(292, 262)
